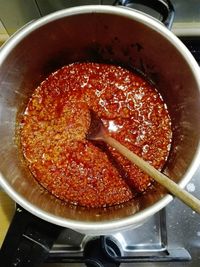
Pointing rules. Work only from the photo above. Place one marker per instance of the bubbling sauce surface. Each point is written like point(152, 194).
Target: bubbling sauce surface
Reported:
point(55, 124)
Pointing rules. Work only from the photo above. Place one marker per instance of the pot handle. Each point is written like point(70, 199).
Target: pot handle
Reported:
point(163, 7)
point(28, 240)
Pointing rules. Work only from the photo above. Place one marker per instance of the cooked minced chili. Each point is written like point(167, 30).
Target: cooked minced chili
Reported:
point(56, 121)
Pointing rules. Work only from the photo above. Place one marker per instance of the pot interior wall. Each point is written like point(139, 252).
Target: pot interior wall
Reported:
point(103, 38)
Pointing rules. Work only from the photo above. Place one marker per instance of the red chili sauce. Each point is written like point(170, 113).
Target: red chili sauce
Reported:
point(56, 121)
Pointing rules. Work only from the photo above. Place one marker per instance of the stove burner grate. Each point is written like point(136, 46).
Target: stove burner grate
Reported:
point(36, 241)
point(116, 249)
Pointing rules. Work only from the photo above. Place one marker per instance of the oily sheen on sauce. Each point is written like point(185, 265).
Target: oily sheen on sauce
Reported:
point(56, 120)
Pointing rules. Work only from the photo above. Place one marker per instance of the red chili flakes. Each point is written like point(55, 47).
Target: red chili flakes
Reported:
point(56, 120)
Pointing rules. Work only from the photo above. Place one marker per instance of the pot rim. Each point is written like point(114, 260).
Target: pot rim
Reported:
point(162, 30)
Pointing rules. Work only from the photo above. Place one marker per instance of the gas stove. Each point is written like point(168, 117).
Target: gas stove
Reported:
point(147, 244)
point(169, 238)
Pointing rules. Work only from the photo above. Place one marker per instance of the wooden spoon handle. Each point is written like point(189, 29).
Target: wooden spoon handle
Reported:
point(162, 179)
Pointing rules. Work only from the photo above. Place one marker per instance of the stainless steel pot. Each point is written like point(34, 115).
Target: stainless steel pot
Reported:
point(103, 33)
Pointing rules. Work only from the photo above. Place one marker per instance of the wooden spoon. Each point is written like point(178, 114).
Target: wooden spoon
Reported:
point(97, 132)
